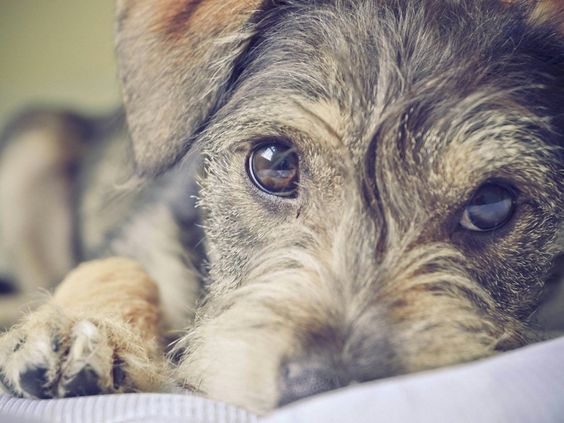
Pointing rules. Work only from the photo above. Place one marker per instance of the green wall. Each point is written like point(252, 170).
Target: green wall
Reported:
point(56, 52)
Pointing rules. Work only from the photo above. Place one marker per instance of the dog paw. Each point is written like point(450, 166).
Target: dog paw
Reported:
point(52, 355)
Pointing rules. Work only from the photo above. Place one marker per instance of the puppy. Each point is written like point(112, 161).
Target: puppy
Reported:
point(379, 192)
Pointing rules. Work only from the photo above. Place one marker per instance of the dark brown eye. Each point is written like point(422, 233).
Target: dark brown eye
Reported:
point(274, 168)
point(491, 207)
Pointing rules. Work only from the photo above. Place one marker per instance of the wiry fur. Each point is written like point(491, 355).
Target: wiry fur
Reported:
point(399, 111)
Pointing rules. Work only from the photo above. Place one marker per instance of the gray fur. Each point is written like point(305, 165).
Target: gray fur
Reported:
point(399, 110)
point(395, 131)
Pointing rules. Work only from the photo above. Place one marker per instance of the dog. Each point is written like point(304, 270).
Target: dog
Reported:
point(309, 194)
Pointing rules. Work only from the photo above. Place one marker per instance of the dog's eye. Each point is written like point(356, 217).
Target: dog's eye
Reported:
point(274, 168)
point(491, 207)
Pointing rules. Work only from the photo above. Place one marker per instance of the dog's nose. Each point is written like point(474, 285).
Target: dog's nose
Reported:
point(301, 379)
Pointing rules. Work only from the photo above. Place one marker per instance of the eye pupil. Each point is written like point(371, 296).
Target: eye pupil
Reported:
point(490, 208)
point(274, 168)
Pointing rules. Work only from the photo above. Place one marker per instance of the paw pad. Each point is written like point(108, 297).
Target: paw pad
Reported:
point(83, 383)
point(35, 382)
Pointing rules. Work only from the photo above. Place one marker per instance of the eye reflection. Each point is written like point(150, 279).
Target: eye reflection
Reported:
point(274, 168)
point(491, 208)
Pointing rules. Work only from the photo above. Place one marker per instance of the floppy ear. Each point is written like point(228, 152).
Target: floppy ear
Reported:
point(175, 58)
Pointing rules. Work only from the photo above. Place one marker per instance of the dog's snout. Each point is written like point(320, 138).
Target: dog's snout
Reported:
point(302, 378)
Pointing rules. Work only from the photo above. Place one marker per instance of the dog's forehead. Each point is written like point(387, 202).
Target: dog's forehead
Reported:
point(352, 70)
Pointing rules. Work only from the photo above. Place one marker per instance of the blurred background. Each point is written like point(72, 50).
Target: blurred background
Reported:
point(57, 52)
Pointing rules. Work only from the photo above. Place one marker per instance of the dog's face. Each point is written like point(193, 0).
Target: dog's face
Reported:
point(384, 182)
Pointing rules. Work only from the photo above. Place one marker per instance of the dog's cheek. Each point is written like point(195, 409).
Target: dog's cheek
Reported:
point(432, 328)
point(239, 220)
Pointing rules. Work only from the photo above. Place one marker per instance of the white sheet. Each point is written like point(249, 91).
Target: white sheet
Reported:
point(525, 386)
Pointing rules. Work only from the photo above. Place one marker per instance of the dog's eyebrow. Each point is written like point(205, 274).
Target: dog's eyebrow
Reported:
point(336, 138)
point(320, 119)
point(287, 126)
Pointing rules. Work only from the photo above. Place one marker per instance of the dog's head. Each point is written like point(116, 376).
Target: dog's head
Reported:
point(384, 179)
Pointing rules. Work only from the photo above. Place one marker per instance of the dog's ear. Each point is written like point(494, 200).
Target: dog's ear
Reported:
point(174, 59)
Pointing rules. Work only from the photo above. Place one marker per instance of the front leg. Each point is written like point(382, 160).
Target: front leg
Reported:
point(98, 334)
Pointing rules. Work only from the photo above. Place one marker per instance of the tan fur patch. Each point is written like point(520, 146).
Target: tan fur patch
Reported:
point(550, 11)
point(115, 286)
point(201, 18)
point(546, 11)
